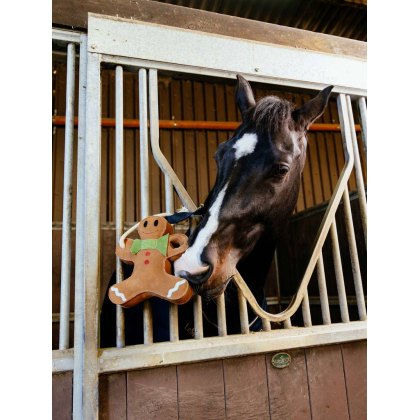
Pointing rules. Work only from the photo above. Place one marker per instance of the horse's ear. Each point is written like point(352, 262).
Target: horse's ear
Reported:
point(243, 95)
point(313, 109)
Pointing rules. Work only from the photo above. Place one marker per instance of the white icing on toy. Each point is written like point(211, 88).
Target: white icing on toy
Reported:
point(175, 288)
point(118, 293)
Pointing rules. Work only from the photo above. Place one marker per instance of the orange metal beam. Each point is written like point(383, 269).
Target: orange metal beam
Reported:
point(191, 125)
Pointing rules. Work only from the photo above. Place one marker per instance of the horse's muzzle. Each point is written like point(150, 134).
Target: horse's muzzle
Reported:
point(197, 279)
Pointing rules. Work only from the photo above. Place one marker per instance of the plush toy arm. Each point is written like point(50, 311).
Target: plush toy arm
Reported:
point(178, 243)
point(124, 253)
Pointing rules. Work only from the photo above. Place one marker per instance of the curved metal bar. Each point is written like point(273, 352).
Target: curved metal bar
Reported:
point(322, 232)
point(160, 159)
point(326, 222)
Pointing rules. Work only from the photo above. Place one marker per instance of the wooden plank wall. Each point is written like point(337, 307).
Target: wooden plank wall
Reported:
point(321, 383)
point(189, 151)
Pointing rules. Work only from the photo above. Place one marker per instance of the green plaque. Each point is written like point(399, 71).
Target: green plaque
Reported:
point(281, 360)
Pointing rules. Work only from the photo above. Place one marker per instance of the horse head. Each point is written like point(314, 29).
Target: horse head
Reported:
point(256, 188)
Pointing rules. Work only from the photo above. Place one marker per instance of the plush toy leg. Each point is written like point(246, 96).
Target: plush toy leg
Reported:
point(175, 289)
point(127, 293)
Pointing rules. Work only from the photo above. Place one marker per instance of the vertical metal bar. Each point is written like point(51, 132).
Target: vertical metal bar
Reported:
point(169, 195)
point(363, 120)
point(80, 238)
point(266, 324)
point(119, 190)
point(354, 258)
point(341, 289)
point(154, 138)
point(243, 313)
point(67, 200)
point(306, 310)
point(173, 322)
point(91, 252)
point(198, 318)
point(144, 145)
point(221, 315)
point(358, 170)
point(287, 323)
point(147, 322)
point(323, 293)
point(144, 186)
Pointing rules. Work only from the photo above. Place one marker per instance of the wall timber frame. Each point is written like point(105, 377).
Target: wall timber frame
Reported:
point(74, 14)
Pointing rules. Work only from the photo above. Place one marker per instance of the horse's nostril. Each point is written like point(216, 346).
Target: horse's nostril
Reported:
point(197, 279)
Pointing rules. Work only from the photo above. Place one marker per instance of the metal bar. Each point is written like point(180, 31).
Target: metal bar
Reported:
point(358, 171)
point(67, 36)
point(79, 275)
point(164, 165)
point(108, 36)
point(243, 313)
point(173, 322)
point(147, 322)
point(322, 232)
point(315, 300)
point(59, 120)
point(323, 293)
point(91, 254)
point(266, 324)
point(271, 80)
point(363, 120)
point(306, 310)
point(187, 351)
point(221, 316)
point(144, 185)
point(198, 318)
point(67, 201)
point(144, 145)
point(119, 191)
point(169, 205)
point(341, 289)
point(354, 258)
point(287, 323)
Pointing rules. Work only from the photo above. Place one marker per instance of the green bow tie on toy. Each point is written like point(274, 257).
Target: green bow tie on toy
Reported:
point(160, 244)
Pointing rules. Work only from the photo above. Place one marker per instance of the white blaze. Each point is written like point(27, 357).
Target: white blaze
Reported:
point(190, 260)
point(245, 145)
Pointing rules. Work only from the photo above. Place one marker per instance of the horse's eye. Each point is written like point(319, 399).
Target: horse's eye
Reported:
point(156, 222)
point(145, 224)
point(279, 171)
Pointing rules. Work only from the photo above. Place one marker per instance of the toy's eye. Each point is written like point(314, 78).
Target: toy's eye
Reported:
point(145, 224)
point(156, 222)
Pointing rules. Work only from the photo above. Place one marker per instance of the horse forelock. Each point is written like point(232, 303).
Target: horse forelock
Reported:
point(272, 113)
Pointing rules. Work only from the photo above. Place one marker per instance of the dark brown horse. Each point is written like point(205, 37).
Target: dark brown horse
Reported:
point(257, 185)
point(256, 189)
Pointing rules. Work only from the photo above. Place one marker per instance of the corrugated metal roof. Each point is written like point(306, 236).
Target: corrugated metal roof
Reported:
point(345, 18)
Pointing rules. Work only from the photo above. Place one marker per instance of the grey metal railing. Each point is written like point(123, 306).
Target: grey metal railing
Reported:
point(85, 360)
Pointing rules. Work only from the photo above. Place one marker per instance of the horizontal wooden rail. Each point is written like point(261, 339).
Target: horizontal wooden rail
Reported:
point(191, 125)
point(141, 356)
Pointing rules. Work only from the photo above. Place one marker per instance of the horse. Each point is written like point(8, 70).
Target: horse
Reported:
point(258, 177)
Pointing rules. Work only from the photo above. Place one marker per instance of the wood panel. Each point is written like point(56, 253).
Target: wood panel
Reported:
point(355, 369)
point(327, 385)
point(201, 393)
point(288, 388)
point(246, 388)
point(73, 13)
point(62, 399)
point(152, 394)
point(113, 396)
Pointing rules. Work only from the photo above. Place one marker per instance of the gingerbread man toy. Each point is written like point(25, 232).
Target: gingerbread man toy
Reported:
point(151, 255)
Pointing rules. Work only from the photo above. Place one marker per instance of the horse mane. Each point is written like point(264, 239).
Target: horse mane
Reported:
point(271, 112)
